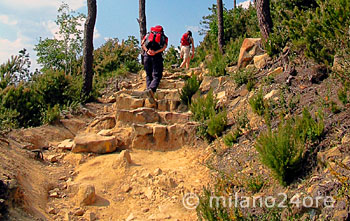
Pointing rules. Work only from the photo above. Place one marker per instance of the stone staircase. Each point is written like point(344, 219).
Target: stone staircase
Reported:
point(161, 126)
point(136, 123)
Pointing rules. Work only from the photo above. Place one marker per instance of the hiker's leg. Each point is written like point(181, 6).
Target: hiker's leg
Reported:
point(148, 65)
point(157, 72)
point(188, 62)
point(182, 55)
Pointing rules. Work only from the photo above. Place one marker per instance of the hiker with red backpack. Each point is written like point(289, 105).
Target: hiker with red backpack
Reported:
point(186, 44)
point(153, 44)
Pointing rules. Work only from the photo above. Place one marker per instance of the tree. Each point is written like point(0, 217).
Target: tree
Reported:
point(220, 25)
point(264, 18)
point(16, 69)
point(234, 4)
point(142, 22)
point(61, 52)
point(89, 47)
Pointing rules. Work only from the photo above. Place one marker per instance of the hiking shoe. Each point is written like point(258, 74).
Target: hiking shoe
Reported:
point(150, 95)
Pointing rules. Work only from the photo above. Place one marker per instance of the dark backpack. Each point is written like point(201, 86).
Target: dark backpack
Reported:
point(155, 39)
point(186, 40)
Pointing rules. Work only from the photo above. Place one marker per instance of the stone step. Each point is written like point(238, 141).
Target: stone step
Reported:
point(171, 84)
point(128, 102)
point(171, 94)
point(163, 137)
point(146, 115)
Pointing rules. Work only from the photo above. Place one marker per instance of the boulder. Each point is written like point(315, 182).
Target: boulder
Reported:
point(275, 72)
point(123, 160)
point(86, 195)
point(250, 48)
point(94, 143)
point(260, 61)
point(66, 144)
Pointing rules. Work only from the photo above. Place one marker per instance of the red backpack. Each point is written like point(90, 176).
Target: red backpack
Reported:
point(186, 40)
point(155, 39)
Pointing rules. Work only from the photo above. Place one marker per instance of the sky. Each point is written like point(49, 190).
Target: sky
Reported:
point(23, 22)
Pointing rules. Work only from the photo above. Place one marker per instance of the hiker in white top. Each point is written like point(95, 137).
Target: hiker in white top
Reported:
point(186, 44)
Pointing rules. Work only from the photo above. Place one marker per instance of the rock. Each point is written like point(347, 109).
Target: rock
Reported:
point(123, 160)
point(104, 123)
point(145, 210)
point(250, 47)
point(92, 216)
point(66, 144)
point(329, 155)
point(275, 72)
point(105, 132)
point(130, 217)
point(86, 195)
point(157, 172)
point(94, 143)
point(53, 211)
point(52, 158)
point(140, 115)
point(345, 139)
point(231, 69)
point(260, 61)
point(54, 195)
point(339, 63)
point(78, 212)
point(271, 94)
point(341, 215)
point(208, 83)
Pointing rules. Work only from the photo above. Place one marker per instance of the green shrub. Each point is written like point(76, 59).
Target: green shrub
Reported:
point(216, 124)
point(24, 102)
point(232, 137)
point(343, 95)
point(282, 150)
point(211, 209)
point(254, 184)
point(212, 121)
point(190, 88)
point(257, 103)
point(243, 76)
point(232, 50)
point(171, 57)
point(217, 66)
point(203, 107)
point(51, 115)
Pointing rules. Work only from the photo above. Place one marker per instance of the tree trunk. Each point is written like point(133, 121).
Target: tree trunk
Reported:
point(142, 22)
point(264, 17)
point(234, 3)
point(220, 26)
point(89, 47)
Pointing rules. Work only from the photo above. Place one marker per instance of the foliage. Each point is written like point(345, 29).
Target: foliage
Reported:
point(212, 121)
point(238, 23)
point(254, 184)
point(62, 52)
point(319, 28)
point(190, 88)
point(172, 57)
point(207, 208)
point(203, 107)
point(114, 55)
point(217, 65)
point(282, 150)
point(16, 69)
point(51, 115)
point(243, 76)
point(22, 102)
point(257, 103)
point(232, 50)
point(216, 124)
point(232, 137)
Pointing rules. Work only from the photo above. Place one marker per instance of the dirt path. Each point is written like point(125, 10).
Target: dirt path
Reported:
point(150, 188)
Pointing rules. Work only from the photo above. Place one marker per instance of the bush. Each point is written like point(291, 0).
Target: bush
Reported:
point(216, 124)
point(243, 76)
point(212, 121)
point(232, 137)
point(257, 103)
point(171, 57)
point(203, 107)
point(51, 115)
point(217, 66)
point(190, 88)
point(282, 150)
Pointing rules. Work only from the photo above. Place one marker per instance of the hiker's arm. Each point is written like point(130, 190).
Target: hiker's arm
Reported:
point(192, 48)
point(161, 50)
